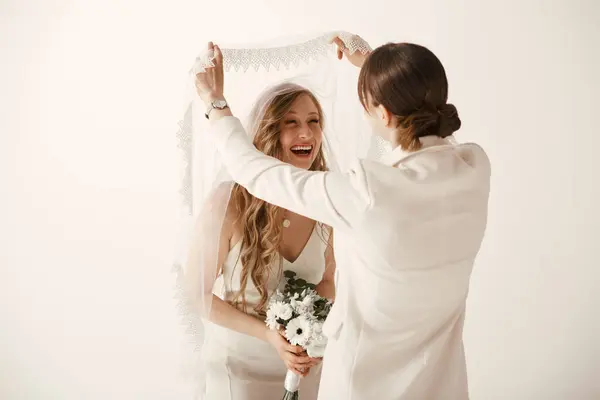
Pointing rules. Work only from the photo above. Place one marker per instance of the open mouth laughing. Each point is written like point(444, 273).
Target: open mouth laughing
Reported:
point(302, 150)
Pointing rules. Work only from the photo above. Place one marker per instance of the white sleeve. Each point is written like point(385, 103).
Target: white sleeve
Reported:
point(337, 199)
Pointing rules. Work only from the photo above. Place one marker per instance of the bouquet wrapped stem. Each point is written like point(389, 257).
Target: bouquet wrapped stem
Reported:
point(299, 313)
point(291, 385)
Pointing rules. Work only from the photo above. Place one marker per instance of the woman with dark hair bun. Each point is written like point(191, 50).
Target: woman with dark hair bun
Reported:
point(407, 228)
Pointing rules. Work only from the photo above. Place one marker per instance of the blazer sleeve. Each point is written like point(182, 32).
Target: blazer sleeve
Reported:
point(334, 198)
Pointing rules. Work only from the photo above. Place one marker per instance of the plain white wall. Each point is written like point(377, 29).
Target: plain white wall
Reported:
point(91, 93)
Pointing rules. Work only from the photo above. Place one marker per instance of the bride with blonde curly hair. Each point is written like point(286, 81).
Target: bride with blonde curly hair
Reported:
point(243, 359)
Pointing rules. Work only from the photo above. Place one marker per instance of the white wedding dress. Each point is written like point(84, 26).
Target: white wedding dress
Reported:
point(241, 367)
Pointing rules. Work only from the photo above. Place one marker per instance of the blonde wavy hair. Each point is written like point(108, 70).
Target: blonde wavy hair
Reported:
point(260, 222)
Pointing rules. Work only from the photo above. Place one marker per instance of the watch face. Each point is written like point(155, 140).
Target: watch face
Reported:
point(219, 103)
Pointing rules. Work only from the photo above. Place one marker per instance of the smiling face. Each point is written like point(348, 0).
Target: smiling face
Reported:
point(291, 126)
point(300, 133)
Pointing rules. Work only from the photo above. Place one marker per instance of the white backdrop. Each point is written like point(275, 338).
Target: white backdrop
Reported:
point(90, 96)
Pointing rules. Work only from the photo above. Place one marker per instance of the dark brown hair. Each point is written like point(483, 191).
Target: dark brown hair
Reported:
point(410, 82)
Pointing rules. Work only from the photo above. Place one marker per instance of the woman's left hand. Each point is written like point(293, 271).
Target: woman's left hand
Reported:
point(357, 58)
point(209, 84)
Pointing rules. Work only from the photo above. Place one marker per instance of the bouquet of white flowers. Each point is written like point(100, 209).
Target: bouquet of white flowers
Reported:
point(299, 312)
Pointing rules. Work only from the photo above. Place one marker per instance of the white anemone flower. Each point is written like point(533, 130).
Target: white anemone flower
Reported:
point(298, 331)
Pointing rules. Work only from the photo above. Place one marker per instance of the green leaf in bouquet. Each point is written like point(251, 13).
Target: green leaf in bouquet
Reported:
point(289, 274)
point(301, 282)
point(320, 303)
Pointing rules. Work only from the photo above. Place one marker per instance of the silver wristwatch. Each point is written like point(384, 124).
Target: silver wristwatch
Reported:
point(218, 104)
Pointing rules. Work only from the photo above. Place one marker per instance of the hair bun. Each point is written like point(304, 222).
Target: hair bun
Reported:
point(442, 121)
point(449, 121)
point(423, 122)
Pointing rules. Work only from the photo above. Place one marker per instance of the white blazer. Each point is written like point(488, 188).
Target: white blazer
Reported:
point(407, 232)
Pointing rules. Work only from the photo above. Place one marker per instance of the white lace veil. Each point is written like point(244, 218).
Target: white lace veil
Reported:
point(254, 76)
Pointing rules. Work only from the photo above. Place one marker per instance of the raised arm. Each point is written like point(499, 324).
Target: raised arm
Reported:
point(336, 199)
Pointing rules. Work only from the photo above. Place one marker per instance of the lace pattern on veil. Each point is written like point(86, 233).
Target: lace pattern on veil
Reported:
point(282, 57)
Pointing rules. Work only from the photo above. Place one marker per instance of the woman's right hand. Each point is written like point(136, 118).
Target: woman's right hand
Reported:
point(209, 84)
point(294, 357)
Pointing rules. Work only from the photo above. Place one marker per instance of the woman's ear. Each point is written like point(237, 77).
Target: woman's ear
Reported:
point(384, 115)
